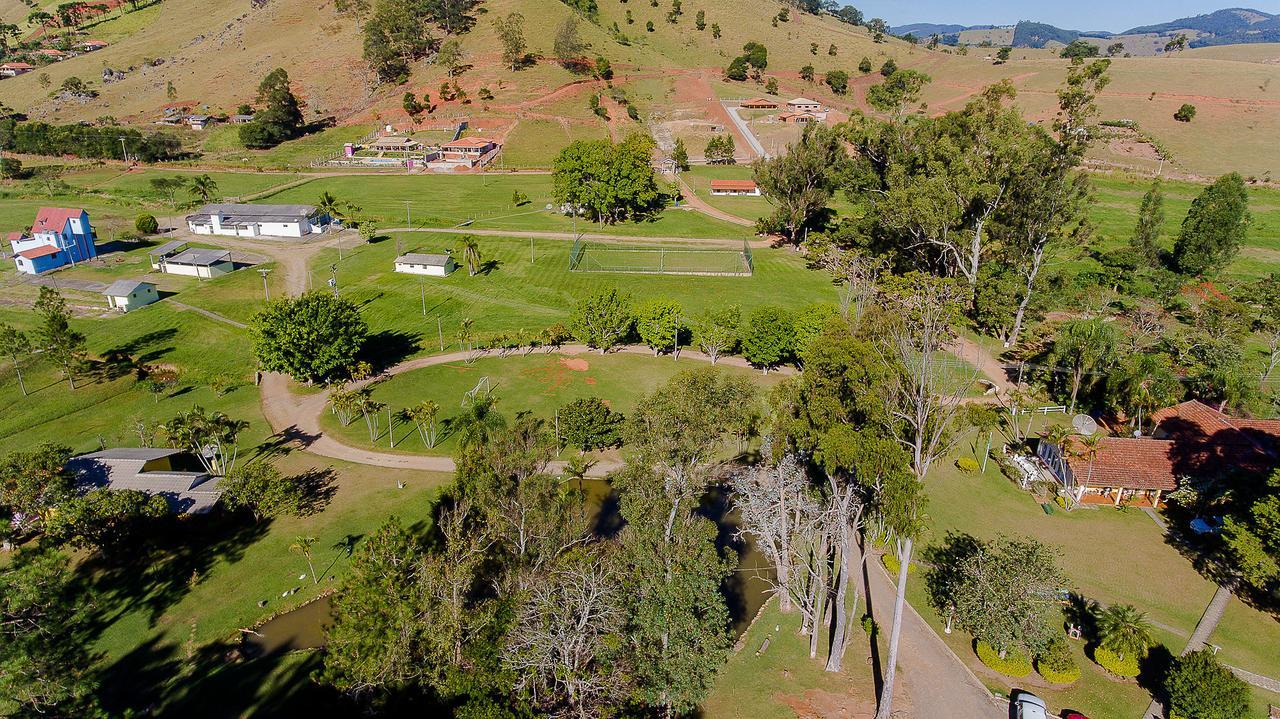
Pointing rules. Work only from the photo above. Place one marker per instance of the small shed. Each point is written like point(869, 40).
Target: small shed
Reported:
point(416, 263)
point(205, 264)
point(741, 188)
point(164, 252)
point(126, 295)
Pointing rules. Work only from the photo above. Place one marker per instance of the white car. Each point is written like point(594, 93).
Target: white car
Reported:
point(1030, 706)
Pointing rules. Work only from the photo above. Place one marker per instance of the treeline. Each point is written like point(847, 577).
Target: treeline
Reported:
point(40, 138)
point(399, 32)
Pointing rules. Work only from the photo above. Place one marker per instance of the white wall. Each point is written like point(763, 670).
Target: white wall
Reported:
point(215, 270)
point(433, 270)
point(264, 229)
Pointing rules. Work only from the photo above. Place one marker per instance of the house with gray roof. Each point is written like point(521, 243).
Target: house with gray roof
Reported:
point(417, 263)
point(196, 262)
point(171, 473)
point(241, 220)
point(125, 295)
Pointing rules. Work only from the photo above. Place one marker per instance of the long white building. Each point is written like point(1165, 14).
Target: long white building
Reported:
point(257, 220)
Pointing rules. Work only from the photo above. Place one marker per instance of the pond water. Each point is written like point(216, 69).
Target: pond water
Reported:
point(745, 590)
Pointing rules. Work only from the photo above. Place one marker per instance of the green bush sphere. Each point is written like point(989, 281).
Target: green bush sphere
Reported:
point(1112, 662)
point(146, 224)
point(1014, 664)
point(968, 465)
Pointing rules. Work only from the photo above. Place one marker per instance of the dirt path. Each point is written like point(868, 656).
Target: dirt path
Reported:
point(208, 313)
point(990, 367)
point(296, 417)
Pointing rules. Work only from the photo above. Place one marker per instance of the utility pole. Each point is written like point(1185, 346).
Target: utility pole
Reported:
point(333, 279)
point(422, 288)
point(440, 330)
point(123, 150)
point(408, 216)
point(266, 293)
point(391, 430)
point(531, 249)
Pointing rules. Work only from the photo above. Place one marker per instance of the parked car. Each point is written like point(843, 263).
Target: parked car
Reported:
point(1029, 706)
point(1074, 715)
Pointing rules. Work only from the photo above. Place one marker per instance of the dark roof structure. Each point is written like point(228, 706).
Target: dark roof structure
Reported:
point(238, 214)
point(156, 471)
point(199, 257)
point(124, 288)
point(418, 258)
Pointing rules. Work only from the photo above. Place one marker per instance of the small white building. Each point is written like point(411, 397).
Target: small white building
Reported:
point(804, 104)
point(205, 264)
point(736, 188)
point(126, 295)
point(416, 263)
point(257, 220)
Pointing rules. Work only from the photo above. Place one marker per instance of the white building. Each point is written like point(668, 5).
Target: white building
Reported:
point(205, 264)
point(257, 220)
point(415, 263)
point(125, 295)
point(804, 104)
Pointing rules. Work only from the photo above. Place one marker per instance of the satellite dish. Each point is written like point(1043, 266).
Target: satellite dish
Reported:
point(1084, 424)
point(549, 205)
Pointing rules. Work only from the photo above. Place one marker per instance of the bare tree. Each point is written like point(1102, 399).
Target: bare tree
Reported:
point(924, 402)
point(776, 508)
point(555, 646)
point(857, 274)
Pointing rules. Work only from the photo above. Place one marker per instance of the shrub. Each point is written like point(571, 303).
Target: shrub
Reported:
point(1109, 660)
point(146, 224)
point(968, 465)
point(1014, 664)
point(890, 562)
point(1056, 664)
point(870, 626)
point(1201, 688)
point(1185, 113)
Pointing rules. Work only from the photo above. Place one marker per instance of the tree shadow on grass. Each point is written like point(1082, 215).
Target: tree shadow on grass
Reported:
point(318, 487)
point(389, 348)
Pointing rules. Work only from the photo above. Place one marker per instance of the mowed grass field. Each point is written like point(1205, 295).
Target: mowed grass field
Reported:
point(538, 383)
point(485, 202)
point(514, 294)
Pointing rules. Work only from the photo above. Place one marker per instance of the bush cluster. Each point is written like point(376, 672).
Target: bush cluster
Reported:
point(1056, 664)
point(1014, 664)
point(1126, 667)
point(968, 465)
point(890, 562)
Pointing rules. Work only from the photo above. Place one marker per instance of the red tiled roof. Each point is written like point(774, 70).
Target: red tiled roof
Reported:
point(759, 102)
point(1191, 439)
point(41, 251)
point(468, 142)
point(733, 184)
point(94, 43)
point(53, 218)
point(14, 236)
point(17, 66)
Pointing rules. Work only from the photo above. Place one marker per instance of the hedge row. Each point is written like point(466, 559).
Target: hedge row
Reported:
point(1014, 664)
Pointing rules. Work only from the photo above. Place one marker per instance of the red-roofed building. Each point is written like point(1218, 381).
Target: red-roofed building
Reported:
point(50, 52)
point(799, 118)
point(758, 103)
point(1191, 439)
point(741, 188)
point(14, 69)
point(59, 236)
point(91, 45)
point(466, 152)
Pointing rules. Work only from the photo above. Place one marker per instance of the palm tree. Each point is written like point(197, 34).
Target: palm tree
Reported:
point(471, 255)
point(203, 186)
point(1124, 630)
point(1091, 446)
point(302, 545)
point(423, 415)
point(479, 421)
point(329, 205)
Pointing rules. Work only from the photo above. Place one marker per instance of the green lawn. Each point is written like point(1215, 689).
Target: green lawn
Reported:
point(136, 184)
point(222, 144)
point(538, 383)
point(517, 295)
point(485, 202)
point(534, 143)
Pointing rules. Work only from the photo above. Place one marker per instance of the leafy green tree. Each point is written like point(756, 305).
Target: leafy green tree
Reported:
point(450, 56)
point(1252, 537)
point(1084, 346)
point(720, 150)
point(16, 346)
point(716, 331)
point(588, 423)
point(715, 31)
point(1079, 50)
point(210, 436)
point(280, 118)
point(607, 181)
point(412, 107)
point(146, 224)
point(800, 182)
point(864, 65)
point(471, 254)
point(312, 338)
point(32, 483)
point(1002, 55)
point(899, 89)
point(168, 186)
point(395, 36)
point(263, 490)
point(1199, 686)
point(659, 324)
point(602, 320)
point(1124, 630)
point(61, 344)
point(737, 69)
point(838, 81)
point(1214, 228)
point(1186, 113)
point(106, 519)
point(756, 55)
point(45, 620)
point(807, 73)
point(569, 45)
point(1141, 384)
point(1146, 234)
point(889, 67)
point(511, 34)
point(680, 156)
point(423, 416)
point(1115, 49)
point(700, 20)
point(768, 337)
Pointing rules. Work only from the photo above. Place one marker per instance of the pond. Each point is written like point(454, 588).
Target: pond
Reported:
point(745, 590)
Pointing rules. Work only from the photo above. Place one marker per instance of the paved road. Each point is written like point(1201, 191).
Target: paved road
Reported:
point(932, 680)
point(744, 129)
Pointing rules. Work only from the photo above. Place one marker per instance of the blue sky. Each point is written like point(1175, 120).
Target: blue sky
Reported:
point(1074, 15)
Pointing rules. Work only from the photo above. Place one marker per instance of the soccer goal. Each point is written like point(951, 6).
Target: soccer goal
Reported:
point(587, 256)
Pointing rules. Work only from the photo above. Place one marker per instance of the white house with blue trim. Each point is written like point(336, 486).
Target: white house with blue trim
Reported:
point(59, 236)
